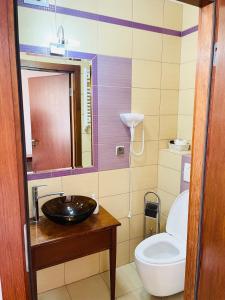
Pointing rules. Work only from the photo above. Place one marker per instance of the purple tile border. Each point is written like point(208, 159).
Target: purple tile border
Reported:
point(110, 20)
point(189, 31)
point(183, 184)
point(114, 71)
point(45, 51)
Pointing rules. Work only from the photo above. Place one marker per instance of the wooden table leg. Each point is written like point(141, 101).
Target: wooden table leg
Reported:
point(34, 285)
point(112, 254)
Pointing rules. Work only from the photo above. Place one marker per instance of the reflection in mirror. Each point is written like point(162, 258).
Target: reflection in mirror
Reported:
point(57, 105)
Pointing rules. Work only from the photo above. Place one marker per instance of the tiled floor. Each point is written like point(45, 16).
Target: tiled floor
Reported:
point(128, 287)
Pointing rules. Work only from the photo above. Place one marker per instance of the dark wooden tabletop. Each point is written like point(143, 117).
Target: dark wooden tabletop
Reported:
point(46, 231)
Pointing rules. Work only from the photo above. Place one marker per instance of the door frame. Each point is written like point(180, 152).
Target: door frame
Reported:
point(15, 279)
point(206, 37)
point(75, 101)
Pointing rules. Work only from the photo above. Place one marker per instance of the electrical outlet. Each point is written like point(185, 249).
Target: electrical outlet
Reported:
point(44, 3)
point(120, 150)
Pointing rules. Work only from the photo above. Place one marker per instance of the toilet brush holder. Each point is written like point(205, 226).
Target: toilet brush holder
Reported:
point(152, 207)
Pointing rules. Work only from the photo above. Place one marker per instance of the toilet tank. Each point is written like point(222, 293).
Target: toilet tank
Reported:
point(178, 217)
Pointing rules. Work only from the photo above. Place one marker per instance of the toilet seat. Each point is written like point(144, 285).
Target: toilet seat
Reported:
point(161, 249)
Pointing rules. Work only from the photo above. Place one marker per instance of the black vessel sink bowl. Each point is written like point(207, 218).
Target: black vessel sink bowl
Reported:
point(69, 209)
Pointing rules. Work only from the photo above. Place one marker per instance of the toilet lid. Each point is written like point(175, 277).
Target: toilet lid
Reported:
point(178, 217)
point(161, 249)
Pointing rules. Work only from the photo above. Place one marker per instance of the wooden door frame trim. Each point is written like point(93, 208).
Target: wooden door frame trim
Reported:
point(15, 284)
point(199, 3)
point(199, 140)
point(14, 278)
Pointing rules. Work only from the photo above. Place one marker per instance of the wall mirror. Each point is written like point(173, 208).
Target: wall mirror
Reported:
point(57, 104)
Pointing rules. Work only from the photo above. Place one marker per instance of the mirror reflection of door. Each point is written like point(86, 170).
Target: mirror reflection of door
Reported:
point(50, 122)
point(57, 105)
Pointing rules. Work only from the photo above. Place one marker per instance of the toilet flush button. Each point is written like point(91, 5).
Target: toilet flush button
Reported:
point(187, 172)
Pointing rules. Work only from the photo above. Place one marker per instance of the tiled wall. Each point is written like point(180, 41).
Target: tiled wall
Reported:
point(169, 179)
point(114, 97)
point(152, 60)
point(169, 169)
point(187, 74)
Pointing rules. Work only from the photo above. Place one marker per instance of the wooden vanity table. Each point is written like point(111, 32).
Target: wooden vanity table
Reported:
point(53, 244)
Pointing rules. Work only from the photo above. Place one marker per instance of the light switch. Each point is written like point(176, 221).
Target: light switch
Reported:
point(44, 3)
point(187, 172)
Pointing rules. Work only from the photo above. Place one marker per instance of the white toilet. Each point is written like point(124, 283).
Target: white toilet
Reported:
point(160, 259)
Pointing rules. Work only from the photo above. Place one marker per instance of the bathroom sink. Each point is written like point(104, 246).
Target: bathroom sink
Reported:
point(69, 209)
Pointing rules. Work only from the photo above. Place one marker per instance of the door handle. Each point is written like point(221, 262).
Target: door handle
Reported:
point(35, 143)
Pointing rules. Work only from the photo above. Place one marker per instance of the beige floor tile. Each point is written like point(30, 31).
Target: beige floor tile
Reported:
point(179, 296)
point(93, 288)
point(127, 280)
point(133, 265)
point(139, 294)
point(56, 294)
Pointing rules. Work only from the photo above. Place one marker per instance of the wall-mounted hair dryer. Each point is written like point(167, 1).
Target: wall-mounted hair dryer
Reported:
point(131, 120)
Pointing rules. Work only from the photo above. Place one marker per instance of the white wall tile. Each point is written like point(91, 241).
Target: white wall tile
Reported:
point(173, 13)
point(166, 201)
point(53, 185)
point(35, 28)
point(170, 159)
point(113, 182)
point(114, 40)
point(123, 231)
point(50, 278)
point(151, 129)
point(116, 8)
point(149, 156)
point(189, 48)
point(171, 49)
point(168, 127)
point(148, 11)
point(137, 226)
point(82, 34)
point(146, 74)
point(147, 45)
point(137, 206)
point(85, 5)
point(187, 75)
point(146, 101)
point(144, 177)
point(85, 184)
point(190, 16)
point(169, 102)
point(81, 268)
point(170, 76)
point(185, 125)
point(186, 102)
point(117, 205)
point(169, 180)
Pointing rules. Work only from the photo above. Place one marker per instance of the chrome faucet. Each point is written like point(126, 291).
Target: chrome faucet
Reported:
point(36, 197)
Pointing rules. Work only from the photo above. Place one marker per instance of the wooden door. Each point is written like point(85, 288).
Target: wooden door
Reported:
point(202, 94)
point(212, 260)
point(13, 275)
point(50, 122)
